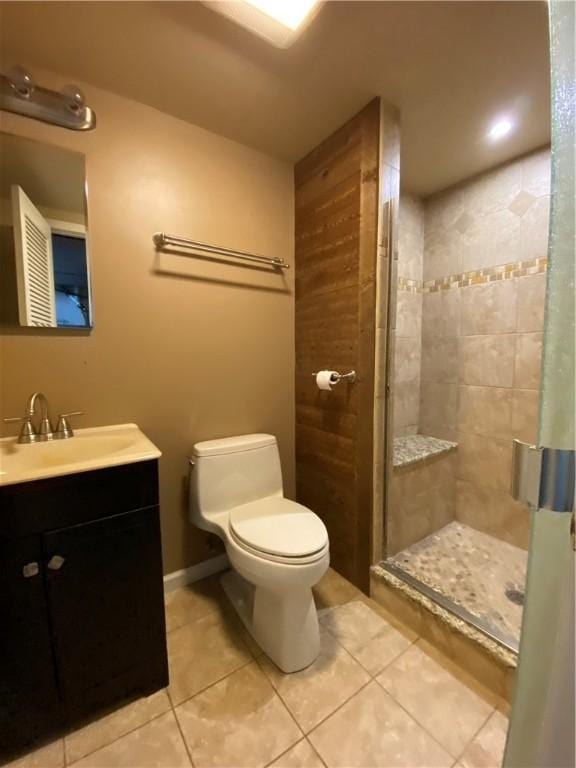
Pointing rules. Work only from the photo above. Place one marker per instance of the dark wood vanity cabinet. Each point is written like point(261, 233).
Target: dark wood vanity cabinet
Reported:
point(81, 598)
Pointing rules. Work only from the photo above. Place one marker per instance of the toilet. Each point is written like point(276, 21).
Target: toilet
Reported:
point(278, 549)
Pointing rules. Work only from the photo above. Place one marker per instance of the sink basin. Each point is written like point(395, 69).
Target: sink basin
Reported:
point(95, 448)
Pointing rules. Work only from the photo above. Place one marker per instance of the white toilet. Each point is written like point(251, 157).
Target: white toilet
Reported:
point(278, 548)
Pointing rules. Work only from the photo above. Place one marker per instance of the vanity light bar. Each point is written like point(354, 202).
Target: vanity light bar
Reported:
point(162, 240)
point(20, 95)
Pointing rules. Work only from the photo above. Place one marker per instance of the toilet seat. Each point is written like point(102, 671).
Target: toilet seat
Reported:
point(280, 530)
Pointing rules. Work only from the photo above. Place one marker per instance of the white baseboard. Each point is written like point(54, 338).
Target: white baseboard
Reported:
point(195, 572)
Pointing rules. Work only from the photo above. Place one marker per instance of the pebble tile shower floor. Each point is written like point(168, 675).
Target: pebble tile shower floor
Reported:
point(378, 695)
point(482, 574)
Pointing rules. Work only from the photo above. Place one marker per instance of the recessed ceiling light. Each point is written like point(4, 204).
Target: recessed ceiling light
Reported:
point(277, 21)
point(500, 128)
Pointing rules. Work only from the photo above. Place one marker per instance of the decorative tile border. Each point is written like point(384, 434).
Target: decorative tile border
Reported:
point(409, 285)
point(475, 277)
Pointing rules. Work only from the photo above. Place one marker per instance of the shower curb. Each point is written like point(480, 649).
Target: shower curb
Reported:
point(492, 664)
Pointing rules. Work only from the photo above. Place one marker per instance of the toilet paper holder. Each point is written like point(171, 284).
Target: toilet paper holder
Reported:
point(337, 377)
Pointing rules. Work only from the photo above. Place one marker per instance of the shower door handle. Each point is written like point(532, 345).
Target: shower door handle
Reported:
point(526, 469)
point(543, 478)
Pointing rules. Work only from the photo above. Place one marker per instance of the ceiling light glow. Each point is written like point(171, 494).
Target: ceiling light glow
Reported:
point(499, 129)
point(290, 13)
point(278, 22)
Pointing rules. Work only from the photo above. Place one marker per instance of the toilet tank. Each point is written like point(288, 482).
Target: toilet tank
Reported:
point(230, 472)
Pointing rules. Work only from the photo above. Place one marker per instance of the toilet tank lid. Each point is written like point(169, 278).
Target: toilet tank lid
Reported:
point(232, 445)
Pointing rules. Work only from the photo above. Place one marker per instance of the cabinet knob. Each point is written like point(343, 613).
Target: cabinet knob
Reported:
point(30, 569)
point(56, 562)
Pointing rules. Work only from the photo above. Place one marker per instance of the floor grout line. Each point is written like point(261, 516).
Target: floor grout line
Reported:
point(373, 675)
point(215, 682)
point(300, 741)
point(186, 747)
point(339, 707)
point(286, 707)
point(410, 715)
point(316, 752)
point(420, 725)
point(305, 734)
point(113, 741)
point(285, 751)
point(425, 728)
point(476, 734)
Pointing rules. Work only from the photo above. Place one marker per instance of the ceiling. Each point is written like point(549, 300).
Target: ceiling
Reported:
point(451, 67)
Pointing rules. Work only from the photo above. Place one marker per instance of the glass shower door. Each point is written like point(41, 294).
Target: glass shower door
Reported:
point(542, 720)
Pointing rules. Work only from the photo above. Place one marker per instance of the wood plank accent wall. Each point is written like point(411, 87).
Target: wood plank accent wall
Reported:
point(336, 199)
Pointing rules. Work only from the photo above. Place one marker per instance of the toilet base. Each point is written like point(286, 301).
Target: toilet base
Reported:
point(283, 623)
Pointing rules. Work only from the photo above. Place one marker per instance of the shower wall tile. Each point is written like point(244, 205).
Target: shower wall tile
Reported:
point(487, 360)
point(406, 409)
point(496, 190)
point(441, 314)
point(536, 173)
point(421, 515)
point(485, 411)
point(443, 255)
point(489, 308)
point(407, 360)
point(525, 403)
point(484, 461)
point(528, 360)
point(440, 360)
point(406, 311)
point(407, 385)
point(422, 500)
point(412, 213)
point(492, 511)
point(410, 238)
point(534, 230)
point(438, 409)
point(426, 473)
point(409, 315)
point(531, 292)
point(410, 252)
point(492, 239)
point(485, 245)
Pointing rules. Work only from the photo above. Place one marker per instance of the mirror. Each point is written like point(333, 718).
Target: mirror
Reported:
point(44, 266)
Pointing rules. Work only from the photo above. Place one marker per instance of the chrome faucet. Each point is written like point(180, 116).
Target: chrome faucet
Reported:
point(44, 433)
point(28, 434)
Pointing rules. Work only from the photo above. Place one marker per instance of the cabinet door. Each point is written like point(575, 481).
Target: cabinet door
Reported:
point(105, 593)
point(29, 702)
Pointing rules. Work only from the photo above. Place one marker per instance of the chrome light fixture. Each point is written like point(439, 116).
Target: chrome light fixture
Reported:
point(20, 95)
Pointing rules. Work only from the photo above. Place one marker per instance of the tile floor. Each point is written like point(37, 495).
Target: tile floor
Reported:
point(377, 696)
point(474, 570)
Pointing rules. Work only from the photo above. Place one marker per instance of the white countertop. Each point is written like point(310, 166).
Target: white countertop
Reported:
point(89, 449)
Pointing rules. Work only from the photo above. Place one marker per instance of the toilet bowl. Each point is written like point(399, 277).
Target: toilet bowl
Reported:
point(278, 549)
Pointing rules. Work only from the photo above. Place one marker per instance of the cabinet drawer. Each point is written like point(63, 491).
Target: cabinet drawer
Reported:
point(58, 502)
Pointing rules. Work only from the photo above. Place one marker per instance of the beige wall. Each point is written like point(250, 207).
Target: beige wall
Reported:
point(197, 350)
point(485, 246)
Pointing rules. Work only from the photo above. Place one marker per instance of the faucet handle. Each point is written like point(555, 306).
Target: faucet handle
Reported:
point(63, 428)
point(27, 433)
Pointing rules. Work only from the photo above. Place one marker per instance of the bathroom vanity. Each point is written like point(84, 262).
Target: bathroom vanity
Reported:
point(81, 592)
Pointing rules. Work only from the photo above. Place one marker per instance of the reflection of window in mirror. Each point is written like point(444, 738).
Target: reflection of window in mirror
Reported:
point(71, 287)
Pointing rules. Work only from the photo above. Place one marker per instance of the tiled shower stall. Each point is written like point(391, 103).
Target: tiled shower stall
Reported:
point(467, 348)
